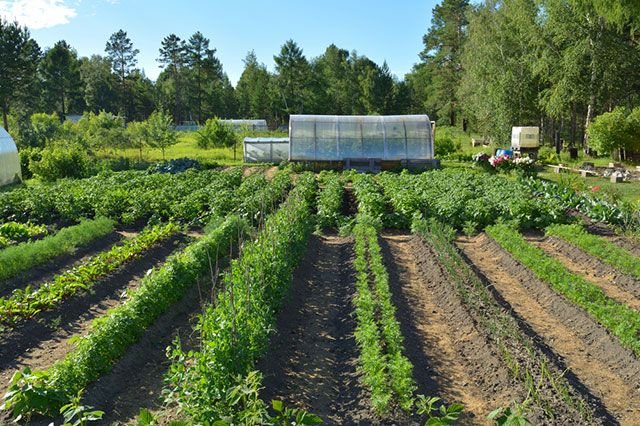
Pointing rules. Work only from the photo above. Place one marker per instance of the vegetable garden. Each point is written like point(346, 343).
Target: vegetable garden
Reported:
point(223, 297)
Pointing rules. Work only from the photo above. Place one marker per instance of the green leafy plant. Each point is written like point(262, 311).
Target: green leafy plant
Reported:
point(508, 416)
point(439, 415)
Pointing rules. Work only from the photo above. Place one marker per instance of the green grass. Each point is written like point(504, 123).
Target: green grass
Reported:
point(603, 187)
point(188, 147)
point(621, 320)
point(599, 247)
point(22, 257)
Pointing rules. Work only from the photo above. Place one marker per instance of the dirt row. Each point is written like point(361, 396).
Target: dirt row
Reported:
point(312, 360)
point(594, 360)
point(40, 342)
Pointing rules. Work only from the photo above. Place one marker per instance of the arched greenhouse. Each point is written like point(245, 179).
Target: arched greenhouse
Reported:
point(406, 139)
point(9, 160)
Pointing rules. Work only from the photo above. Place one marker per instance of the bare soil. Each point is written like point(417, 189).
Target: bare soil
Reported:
point(38, 343)
point(596, 363)
point(312, 358)
point(452, 358)
point(615, 284)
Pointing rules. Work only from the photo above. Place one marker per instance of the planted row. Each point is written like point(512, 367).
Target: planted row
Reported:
point(123, 196)
point(14, 232)
point(27, 302)
point(621, 320)
point(22, 257)
point(387, 372)
point(468, 200)
point(112, 334)
point(599, 247)
point(329, 200)
point(518, 351)
point(234, 330)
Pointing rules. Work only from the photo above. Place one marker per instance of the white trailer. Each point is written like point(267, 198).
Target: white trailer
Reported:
point(525, 140)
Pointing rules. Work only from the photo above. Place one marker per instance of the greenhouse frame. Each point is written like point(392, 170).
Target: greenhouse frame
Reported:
point(323, 138)
point(248, 124)
point(266, 150)
point(9, 160)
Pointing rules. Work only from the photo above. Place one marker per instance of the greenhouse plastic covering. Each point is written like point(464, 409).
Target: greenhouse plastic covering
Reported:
point(331, 137)
point(266, 150)
point(9, 159)
point(249, 124)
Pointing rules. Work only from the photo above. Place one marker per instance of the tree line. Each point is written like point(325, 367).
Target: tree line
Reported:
point(192, 85)
point(557, 64)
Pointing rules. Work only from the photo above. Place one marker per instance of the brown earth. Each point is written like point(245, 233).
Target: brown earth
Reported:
point(451, 357)
point(312, 359)
point(616, 285)
point(39, 342)
point(593, 357)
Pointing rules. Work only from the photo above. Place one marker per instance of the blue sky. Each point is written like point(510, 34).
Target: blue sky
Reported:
point(382, 29)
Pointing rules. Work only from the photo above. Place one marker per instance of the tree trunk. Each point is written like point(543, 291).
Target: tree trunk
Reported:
point(5, 119)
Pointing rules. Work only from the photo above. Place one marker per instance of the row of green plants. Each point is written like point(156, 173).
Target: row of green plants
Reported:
point(14, 232)
point(373, 202)
point(23, 257)
point(258, 195)
point(216, 384)
point(27, 302)
point(329, 200)
point(621, 320)
point(45, 392)
point(598, 246)
point(387, 372)
point(526, 364)
point(126, 197)
point(468, 200)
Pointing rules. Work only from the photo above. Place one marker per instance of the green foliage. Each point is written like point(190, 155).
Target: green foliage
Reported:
point(387, 372)
point(438, 416)
point(610, 131)
point(599, 247)
point(125, 196)
point(20, 258)
point(101, 131)
point(234, 330)
point(27, 302)
point(621, 320)
point(62, 160)
point(79, 414)
point(509, 416)
point(445, 146)
point(329, 200)
point(160, 131)
point(215, 133)
point(12, 232)
point(112, 334)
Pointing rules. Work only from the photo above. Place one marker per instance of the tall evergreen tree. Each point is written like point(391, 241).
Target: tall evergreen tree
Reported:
point(206, 73)
point(442, 53)
point(120, 50)
point(19, 57)
point(61, 82)
point(293, 78)
point(173, 58)
point(100, 85)
point(252, 90)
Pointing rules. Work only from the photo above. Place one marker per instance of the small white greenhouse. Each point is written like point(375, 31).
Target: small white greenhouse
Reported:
point(247, 124)
point(266, 150)
point(329, 138)
point(9, 160)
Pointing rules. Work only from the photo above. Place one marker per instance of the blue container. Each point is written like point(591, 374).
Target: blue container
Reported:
point(507, 152)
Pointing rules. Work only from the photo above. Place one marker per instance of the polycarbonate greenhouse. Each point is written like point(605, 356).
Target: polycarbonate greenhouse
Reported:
point(248, 124)
point(266, 150)
point(339, 138)
point(9, 159)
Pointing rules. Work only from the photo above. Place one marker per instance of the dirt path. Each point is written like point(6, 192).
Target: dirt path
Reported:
point(609, 372)
point(616, 285)
point(451, 358)
point(40, 342)
point(312, 360)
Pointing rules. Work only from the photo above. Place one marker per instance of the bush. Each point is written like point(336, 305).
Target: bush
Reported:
point(70, 161)
point(28, 156)
point(445, 146)
point(215, 133)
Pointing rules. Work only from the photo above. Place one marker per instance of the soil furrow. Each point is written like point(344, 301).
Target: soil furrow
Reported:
point(610, 372)
point(38, 343)
point(312, 360)
point(450, 356)
point(615, 285)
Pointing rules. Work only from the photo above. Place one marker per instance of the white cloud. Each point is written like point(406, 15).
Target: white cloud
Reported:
point(36, 14)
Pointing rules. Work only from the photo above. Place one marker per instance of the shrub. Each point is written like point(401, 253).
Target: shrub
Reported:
point(70, 161)
point(445, 146)
point(215, 133)
point(28, 156)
